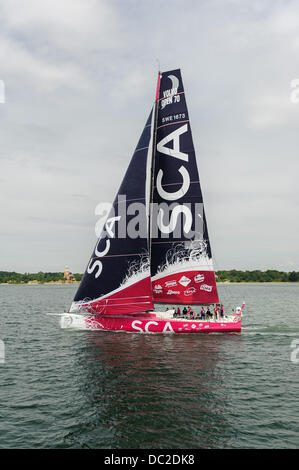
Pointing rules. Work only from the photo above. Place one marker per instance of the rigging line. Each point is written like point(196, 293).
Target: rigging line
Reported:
point(142, 148)
point(101, 299)
point(126, 298)
point(179, 93)
point(193, 263)
point(179, 183)
point(183, 241)
point(128, 200)
point(126, 301)
point(125, 254)
point(125, 304)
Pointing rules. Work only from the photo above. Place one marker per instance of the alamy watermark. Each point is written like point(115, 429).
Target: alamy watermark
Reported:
point(125, 219)
point(295, 351)
point(2, 352)
point(2, 92)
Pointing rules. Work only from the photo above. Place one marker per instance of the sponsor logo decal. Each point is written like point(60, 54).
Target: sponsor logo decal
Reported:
point(173, 292)
point(190, 291)
point(199, 278)
point(158, 289)
point(184, 281)
point(170, 95)
point(170, 283)
point(206, 288)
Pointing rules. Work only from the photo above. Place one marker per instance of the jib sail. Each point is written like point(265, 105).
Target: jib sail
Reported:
point(117, 277)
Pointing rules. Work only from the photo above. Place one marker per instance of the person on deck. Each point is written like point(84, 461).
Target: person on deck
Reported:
point(221, 311)
point(216, 311)
point(202, 314)
point(178, 312)
point(208, 313)
point(185, 311)
point(190, 311)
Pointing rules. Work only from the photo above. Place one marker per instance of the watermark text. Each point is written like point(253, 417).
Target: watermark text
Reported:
point(2, 352)
point(294, 96)
point(166, 220)
point(2, 92)
point(295, 351)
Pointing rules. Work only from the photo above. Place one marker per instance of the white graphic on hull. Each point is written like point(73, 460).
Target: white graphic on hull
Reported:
point(186, 256)
point(138, 270)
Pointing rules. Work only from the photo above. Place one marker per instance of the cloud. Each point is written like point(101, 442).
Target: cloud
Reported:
point(71, 25)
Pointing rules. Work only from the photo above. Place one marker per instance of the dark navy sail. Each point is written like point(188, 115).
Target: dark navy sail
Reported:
point(117, 278)
point(181, 260)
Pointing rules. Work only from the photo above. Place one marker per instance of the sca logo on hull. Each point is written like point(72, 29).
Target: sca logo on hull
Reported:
point(145, 328)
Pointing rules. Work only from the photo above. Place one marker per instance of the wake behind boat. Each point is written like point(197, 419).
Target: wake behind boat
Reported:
point(154, 247)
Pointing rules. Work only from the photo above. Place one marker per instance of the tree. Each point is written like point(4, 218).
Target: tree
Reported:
point(293, 276)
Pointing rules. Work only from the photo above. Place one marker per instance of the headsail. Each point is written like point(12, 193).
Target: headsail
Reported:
point(117, 278)
point(181, 261)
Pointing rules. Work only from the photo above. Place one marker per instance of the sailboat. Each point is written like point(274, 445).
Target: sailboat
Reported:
point(144, 264)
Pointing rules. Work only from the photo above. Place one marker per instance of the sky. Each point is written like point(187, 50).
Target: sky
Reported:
point(80, 78)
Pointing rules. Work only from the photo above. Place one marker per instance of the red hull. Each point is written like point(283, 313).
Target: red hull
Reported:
point(147, 323)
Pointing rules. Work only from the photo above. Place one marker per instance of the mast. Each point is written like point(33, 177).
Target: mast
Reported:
point(156, 109)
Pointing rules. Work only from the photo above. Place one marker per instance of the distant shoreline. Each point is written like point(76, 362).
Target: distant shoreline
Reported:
point(233, 276)
point(62, 283)
point(31, 283)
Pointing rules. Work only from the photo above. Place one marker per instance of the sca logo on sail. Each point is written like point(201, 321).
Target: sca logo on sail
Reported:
point(171, 147)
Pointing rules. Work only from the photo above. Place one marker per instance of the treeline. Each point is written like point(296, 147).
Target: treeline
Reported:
point(40, 277)
point(271, 275)
point(222, 276)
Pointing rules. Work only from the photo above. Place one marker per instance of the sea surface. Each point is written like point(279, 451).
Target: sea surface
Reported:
point(89, 389)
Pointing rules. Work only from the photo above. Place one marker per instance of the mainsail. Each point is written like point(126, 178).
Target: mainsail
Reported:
point(181, 261)
point(117, 277)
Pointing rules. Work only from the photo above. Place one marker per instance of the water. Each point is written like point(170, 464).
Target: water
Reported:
point(87, 389)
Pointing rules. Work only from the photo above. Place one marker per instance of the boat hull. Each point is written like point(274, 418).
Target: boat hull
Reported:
point(148, 323)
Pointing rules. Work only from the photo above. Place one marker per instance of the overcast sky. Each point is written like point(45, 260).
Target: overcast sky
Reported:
point(80, 78)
